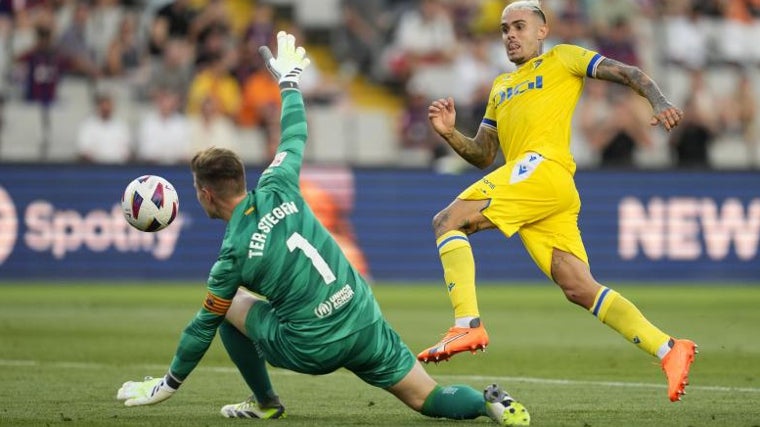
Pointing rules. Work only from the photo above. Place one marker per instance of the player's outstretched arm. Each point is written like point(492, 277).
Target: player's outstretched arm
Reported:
point(480, 151)
point(286, 67)
point(664, 112)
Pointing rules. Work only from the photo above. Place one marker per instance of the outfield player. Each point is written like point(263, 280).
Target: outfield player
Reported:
point(528, 116)
point(319, 314)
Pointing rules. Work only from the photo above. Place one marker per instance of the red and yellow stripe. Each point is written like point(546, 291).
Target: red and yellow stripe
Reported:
point(216, 305)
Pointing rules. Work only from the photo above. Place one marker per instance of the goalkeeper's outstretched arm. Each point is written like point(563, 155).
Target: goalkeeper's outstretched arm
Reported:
point(287, 69)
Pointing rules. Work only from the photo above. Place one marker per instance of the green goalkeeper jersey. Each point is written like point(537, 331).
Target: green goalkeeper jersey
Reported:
point(275, 246)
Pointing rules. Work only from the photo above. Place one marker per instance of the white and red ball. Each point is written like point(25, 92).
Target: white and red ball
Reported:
point(150, 203)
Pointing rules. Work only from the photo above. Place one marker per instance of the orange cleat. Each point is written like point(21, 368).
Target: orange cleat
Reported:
point(456, 341)
point(676, 365)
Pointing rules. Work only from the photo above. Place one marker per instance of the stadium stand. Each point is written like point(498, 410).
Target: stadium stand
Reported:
point(356, 108)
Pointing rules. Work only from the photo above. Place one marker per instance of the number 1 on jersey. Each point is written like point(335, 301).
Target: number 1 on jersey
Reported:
point(297, 241)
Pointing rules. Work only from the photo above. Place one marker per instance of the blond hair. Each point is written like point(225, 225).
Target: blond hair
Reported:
point(531, 5)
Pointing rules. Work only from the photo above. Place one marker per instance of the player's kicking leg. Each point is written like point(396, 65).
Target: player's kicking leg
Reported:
point(468, 332)
point(614, 310)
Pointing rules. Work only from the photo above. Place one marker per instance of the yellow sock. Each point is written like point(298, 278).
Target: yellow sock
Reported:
point(621, 315)
point(459, 272)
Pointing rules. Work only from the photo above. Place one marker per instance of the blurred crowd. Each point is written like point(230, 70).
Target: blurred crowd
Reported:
point(704, 53)
point(193, 69)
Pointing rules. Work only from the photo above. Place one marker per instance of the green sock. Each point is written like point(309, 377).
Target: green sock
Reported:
point(249, 362)
point(457, 402)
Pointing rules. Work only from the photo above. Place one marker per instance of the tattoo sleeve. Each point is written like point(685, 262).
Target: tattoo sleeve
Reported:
point(479, 151)
point(633, 77)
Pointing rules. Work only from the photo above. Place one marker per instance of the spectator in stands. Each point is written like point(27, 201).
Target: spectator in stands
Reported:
point(474, 72)
point(604, 13)
point(174, 71)
point(42, 67)
point(125, 54)
point(26, 18)
point(594, 115)
point(463, 13)
point(618, 42)
point(260, 108)
point(572, 25)
point(629, 130)
point(614, 123)
point(212, 128)
point(7, 12)
point(173, 20)
point(214, 80)
point(712, 9)
point(488, 12)
point(6, 35)
point(77, 43)
point(163, 135)
point(212, 29)
point(686, 41)
point(424, 37)
point(740, 112)
point(736, 39)
point(690, 142)
point(754, 10)
point(361, 39)
point(317, 87)
point(258, 32)
point(104, 23)
point(419, 143)
point(104, 138)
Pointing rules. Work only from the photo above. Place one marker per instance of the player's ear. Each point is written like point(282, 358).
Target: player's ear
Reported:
point(543, 32)
point(207, 194)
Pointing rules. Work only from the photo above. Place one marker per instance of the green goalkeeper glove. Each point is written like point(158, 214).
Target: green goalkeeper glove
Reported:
point(290, 61)
point(148, 392)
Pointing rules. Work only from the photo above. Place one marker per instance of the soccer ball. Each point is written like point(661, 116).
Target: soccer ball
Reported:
point(150, 203)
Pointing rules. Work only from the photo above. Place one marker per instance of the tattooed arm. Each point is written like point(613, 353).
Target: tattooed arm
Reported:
point(480, 151)
point(664, 112)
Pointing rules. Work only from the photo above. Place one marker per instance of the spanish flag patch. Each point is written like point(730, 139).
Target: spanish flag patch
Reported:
point(216, 305)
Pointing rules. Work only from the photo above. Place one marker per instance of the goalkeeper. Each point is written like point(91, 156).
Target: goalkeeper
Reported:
point(319, 314)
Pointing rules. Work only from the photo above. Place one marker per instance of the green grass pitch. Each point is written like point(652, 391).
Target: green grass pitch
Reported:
point(65, 349)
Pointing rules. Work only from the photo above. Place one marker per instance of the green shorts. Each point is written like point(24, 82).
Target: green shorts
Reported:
point(375, 353)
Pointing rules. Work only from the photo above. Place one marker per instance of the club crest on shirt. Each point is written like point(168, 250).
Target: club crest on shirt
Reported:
point(525, 167)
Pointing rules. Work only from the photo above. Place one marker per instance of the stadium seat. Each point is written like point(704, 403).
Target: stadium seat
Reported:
point(22, 132)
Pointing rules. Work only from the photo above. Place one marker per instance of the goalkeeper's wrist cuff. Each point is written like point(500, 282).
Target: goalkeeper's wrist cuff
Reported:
point(171, 381)
point(289, 84)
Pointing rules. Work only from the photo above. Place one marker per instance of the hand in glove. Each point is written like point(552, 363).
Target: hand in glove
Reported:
point(148, 392)
point(290, 61)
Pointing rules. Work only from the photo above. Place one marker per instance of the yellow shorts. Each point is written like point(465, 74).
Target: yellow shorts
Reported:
point(535, 197)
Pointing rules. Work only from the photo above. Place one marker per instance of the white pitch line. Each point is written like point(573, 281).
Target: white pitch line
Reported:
point(504, 379)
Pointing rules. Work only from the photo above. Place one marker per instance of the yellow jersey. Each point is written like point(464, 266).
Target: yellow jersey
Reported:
point(532, 108)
